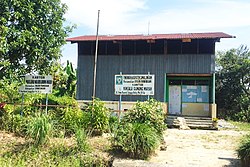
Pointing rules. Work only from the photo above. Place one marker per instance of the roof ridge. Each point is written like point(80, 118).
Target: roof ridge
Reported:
point(198, 35)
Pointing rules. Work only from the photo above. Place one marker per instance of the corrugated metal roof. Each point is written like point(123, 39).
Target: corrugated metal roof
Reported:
point(209, 35)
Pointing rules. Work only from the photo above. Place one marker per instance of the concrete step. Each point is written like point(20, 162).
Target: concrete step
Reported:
point(197, 118)
point(199, 123)
point(191, 122)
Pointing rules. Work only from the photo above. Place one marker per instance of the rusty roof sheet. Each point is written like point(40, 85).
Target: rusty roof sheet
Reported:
point(209, 35)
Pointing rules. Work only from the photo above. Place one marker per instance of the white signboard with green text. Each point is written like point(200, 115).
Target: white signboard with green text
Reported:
point(134, 84)
point(37, 84)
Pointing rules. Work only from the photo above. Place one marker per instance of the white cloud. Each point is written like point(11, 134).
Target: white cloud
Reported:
point(132, 16)
point(211, 16)
point(114, 14)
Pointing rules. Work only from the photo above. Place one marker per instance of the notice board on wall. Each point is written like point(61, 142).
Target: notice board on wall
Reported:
point(194, 94)
point(203, 94)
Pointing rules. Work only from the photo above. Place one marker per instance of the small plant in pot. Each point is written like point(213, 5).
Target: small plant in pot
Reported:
point(215, 122)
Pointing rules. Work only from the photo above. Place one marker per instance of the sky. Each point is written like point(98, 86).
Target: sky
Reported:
point(123, 17)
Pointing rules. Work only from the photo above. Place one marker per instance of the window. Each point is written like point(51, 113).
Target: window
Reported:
point(175, 82)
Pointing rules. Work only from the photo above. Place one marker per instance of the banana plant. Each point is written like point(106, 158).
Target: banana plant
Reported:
point(65, 81)
point(71, 80)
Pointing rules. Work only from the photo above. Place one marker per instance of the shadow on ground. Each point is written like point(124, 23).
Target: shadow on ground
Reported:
point(234, 162)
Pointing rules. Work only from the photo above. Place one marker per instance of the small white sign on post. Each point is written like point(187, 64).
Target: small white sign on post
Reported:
point(134, 84)
point(37, 84)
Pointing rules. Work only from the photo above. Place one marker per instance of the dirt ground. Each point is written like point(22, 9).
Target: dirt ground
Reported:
point(199, 148)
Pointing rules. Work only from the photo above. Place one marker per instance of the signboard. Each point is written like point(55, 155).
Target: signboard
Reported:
point(194, 94)
point(37, 84)
point(134, 84)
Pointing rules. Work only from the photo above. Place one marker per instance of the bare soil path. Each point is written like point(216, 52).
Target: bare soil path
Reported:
point(199, 148)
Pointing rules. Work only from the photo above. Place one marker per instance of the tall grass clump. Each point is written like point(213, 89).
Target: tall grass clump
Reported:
point(113, 123)
point(148, 112)
point(137, 140)
point(244, 151)
point(82, 140)
point(39, 129)
point(141, 130)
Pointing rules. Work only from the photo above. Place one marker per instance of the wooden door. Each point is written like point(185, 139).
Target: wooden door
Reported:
point(175, 99)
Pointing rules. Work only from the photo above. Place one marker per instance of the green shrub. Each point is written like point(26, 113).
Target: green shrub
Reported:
point(244, 150)
point(137, 140)
point(9, 90)
point(149, 112)
point(113, 123)
point(39, 129)
point(81, 140)
point(243, 116)
point(72, 118)
point(99, 120)
point(33, 101)
point(14, 123)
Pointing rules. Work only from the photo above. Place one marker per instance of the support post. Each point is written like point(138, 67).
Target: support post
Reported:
point(213, 106)
point(213, 88)
point(120, 104)
point(21, 112)
point(96, 52)
point(46, 107)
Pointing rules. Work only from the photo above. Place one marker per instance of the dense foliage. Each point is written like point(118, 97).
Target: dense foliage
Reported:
point(65, 81)
point(98, 116)
point(31, 35)
point(148, 112)
point(232, 87)
point(9, 90)
point(140, 130)
point(65, 120)
point(244, 151)
point(137, 140)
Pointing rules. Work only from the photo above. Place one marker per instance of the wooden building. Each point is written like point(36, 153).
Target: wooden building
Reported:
point(183, 65)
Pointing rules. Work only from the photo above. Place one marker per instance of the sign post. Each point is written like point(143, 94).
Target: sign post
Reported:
point(134, 84)
point(37, 84)
point(46, 109)
point(120, 104)
point(21, 112)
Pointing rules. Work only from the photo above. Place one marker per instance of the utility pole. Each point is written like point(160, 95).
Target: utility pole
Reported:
point(96, 52)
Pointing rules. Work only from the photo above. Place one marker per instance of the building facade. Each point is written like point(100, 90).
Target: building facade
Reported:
point(183, 65)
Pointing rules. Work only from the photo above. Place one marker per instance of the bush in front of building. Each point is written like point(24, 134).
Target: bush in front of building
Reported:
point(140, 130)
point(244, 151)
point(149, 112)
point(98, 122)
point(137, 140)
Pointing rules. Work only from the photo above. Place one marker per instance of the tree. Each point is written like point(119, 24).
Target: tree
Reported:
point(233, 83)
point(31, 35)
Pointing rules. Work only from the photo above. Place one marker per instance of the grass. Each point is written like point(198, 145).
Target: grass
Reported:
point(243, 126)
point(17, 151)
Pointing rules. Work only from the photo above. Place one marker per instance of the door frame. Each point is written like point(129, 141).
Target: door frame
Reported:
point(168, 77)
